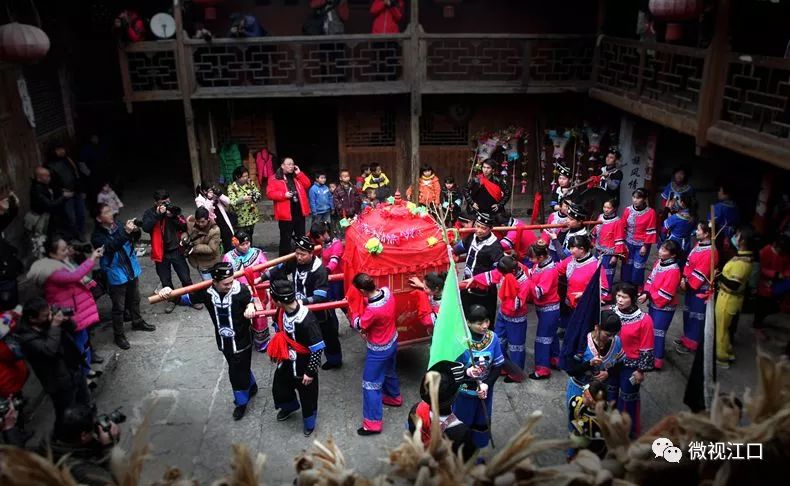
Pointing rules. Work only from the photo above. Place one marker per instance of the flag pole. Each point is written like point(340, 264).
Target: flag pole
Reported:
point(451, 263)
point(709, 365)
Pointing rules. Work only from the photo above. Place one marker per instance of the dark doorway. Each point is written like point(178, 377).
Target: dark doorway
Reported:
point(307, 132)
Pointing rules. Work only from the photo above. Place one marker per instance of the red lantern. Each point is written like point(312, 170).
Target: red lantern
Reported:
point(22, 42)
point(673, 11)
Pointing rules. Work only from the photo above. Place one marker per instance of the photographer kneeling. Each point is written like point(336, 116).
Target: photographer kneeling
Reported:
point(120, 264)
point(86, 440)
point(47, 342)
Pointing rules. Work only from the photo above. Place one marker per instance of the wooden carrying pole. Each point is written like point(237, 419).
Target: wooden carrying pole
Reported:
point(155, 299)
point(527, 227)
point(335, 304)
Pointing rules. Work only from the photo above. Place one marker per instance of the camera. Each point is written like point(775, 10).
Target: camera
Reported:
point(172, 209)
point(106, 420)
point(5, 405)
point(137, 222)
point(67, 312)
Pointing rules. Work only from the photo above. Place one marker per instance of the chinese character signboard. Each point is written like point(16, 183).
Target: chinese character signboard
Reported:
point(638, 150)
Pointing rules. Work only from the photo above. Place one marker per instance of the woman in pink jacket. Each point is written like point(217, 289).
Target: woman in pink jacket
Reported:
point(68, 286)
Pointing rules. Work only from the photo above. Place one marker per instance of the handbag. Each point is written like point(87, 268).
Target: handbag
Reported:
point(100, 279)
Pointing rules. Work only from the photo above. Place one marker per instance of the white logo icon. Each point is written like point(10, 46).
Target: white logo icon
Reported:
point(663, 447)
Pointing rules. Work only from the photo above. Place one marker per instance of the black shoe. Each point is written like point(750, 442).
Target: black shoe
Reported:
point(143, 326)
point(307, 432)
point(283, 415)
point(96, 359)
point(254, 390)
point(331, 366)
point(92, 385)
point(364, 432)
point(511, 380)
point(94, 374)
point(127, 316)
point(535, 376)
point(121, 342)
point(239, 412)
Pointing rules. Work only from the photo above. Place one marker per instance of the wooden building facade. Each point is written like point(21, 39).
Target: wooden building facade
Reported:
point(402, 99)
point(421, 96)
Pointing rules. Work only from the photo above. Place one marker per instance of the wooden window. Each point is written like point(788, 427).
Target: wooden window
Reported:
point(370, 128)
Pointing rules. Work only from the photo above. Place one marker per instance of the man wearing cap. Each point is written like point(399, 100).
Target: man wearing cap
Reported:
point(611, 175)
point(451, 375)
point(486, 192)
point(483, 251)
point(297, 349)
point(310, 280)
point(165, 223)
point(231, 309)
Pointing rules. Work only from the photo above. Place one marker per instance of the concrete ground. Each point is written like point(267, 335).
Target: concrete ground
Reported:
point(177, 375)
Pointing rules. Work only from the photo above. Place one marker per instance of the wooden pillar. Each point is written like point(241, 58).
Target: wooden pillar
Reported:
point(417, 56)
point(342, 152)
point(714, 74)
point(123, 62)
point(185, 86)
point(65, 95)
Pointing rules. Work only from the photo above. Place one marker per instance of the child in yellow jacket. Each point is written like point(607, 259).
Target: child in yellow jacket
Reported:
point(732, 288)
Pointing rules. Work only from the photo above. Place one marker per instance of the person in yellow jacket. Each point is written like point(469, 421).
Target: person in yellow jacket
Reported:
point(377, 180)
point(732, 287)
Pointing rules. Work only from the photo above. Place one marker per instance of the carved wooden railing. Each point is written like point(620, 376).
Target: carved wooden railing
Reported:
point(227, 67)
point(471, 62)
point(754, 110)
point(358, 64)
point(662, 75)
point(149, 71)
point(662, 83)
point(757, 95)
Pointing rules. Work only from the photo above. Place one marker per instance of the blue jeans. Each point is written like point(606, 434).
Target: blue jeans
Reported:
point(75, 215)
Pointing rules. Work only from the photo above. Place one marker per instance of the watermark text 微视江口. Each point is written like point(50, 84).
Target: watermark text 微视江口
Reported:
point(708, 451)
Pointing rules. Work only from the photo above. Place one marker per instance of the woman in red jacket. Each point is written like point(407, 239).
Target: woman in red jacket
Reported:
point(288, 190)
point(386, 15)
point(13, 372)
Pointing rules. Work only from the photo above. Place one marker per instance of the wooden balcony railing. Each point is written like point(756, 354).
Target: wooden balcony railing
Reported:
point(513, 63)
point(286, 65)
point(754, 115)
point(639, 77)
point(358, 64)
point(149, 71)
point(757, 95)
point(663, 83)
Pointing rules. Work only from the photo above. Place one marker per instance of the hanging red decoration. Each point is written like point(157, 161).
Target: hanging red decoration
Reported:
point(673, 11)
point(22, 43)
point(211, 8)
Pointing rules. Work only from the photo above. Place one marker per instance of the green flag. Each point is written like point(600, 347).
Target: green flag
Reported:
point(450, 334)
